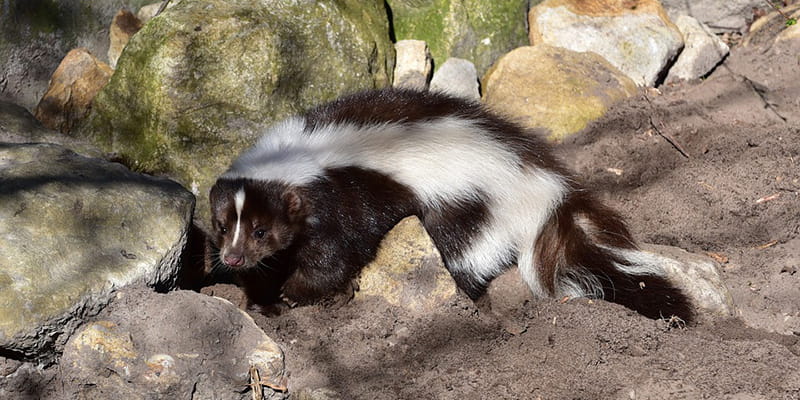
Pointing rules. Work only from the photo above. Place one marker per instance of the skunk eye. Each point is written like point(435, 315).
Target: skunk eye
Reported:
point(259, 233)
point(223, 230)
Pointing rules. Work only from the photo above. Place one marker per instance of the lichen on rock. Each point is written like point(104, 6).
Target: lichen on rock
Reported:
point(199, 82)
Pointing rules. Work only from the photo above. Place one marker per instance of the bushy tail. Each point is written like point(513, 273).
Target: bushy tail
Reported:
point(585, 250)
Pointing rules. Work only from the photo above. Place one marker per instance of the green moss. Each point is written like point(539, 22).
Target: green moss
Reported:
point(477, 30)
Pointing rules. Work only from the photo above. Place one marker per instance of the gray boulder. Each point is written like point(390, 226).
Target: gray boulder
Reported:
point(73, 230)
point(719, 16)
point(634, 36)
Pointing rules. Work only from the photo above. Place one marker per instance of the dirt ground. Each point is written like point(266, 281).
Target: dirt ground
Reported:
point(712, 167)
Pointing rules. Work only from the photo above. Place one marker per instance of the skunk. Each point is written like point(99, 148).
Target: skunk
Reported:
point(309, 203)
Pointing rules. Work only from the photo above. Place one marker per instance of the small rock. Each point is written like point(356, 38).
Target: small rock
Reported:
point(149, 11)
point(457, 77)
point(124, 25)
point(697, 275)
point(701, 53)
point(554, 88)
point(635, 36)
point(413, 66)
point(408, 271)
point(73, 86)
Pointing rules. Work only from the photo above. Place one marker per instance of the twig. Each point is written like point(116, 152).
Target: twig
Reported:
point(767, 245)
point(257, 384)
point(759, 91)
point(163, 6)
point(789, 20)
point(669, 139)
point(666, 137)
point(768, 198)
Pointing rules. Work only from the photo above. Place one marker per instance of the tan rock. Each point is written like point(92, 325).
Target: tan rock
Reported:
point(74, 84)
point(635, 36)
point(413, 66)
point(408, 270)
point(124, 25)
point(554, 88)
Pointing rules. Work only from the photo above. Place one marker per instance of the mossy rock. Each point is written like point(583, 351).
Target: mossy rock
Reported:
point(476, 30)
point(200, 82)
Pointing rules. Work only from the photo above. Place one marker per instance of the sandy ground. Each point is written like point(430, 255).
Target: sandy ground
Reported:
point(712, 167)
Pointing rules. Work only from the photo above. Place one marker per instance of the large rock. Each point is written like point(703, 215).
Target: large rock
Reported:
point(72, 230)
point(74, 84)
point(554, 88)
point(719, 16)
point(635, 36)
point(476, 30)
point(408, 271)
point(198, 83)
point(36, 35)
point(192, 346)
point(702, 51)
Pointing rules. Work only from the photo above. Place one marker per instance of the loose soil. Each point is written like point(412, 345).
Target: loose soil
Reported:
point(712, 167)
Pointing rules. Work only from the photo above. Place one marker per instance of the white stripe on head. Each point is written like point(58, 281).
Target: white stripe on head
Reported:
point(238, 201)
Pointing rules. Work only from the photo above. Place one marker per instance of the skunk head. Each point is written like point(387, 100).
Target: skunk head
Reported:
point(252, 220)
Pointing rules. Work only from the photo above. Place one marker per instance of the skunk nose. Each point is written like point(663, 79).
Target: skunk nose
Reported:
point(233, 260)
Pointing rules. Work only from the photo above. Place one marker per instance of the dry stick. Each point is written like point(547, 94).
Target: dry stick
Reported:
point(758, 90)
point(666, 137)
point(760, 94)
point(786, 17)
point(163, 6)
point(255, 384)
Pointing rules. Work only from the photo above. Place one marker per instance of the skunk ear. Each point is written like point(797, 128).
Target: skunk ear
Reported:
point(297, 206)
